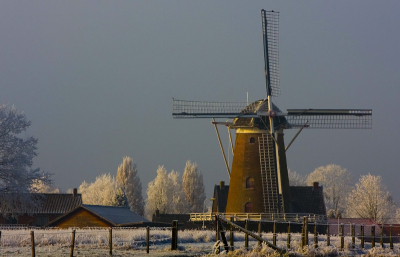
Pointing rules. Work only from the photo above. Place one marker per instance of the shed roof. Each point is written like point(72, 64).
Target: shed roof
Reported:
point(48, 204)
point(116, 215)
point(58, 203)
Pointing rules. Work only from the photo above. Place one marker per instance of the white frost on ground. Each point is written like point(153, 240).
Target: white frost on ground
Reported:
point(131, 242)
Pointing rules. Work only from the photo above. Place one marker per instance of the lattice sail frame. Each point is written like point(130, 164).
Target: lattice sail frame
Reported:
point(315, 118)
point(330, 118)
point(270, 28)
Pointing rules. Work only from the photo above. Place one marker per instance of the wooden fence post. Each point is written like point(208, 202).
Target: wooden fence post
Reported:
point(302, 236)
point(353, 236)
point(72, 243)
point(341, 236)
point(362, 236)
point(381, 241)
point(328, 239)
point(390, 238)
point(110, 240)
point(217, 250)
point(216, 228)
point(246, 236)
point(288, 236)
point(373, 236)
point(274, 233)
point(305, 230)
point(231, 235)
point(174, 241)
point(259, 231)
point(315, 236)
point(147, 239)
point(0, 237)
point(33, 243)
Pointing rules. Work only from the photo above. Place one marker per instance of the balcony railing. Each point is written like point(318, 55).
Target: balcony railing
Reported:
point(293, 217)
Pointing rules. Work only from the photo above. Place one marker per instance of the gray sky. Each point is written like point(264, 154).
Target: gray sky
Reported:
point(96, 78)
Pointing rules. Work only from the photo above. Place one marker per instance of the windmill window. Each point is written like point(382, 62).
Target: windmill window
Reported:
point(250, 182)
point(248, 207)
point(252, 140)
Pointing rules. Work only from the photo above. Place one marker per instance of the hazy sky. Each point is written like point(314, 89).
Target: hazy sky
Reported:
point(96, 78)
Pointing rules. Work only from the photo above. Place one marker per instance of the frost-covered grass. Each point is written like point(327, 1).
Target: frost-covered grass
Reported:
point(131, 242)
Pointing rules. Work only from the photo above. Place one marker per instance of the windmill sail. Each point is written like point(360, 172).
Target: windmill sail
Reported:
point(270, 28)
point(330, 118)
point(202, 109)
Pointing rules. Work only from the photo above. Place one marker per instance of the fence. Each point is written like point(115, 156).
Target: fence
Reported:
point(100, 237)
point(310, 234)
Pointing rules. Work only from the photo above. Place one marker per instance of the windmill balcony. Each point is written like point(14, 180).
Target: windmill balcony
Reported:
point(293, 217)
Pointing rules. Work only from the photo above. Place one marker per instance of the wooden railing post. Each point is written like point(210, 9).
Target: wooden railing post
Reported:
point(315, 236)
point(246, 236)
point(353, 236)
point(390, 238)
point(274, 233)
point(373, 236)
point(362, 236)
point(328, 238)
point(33, 243)
point(174, 241)
point(110, 240)
point(288, 236)
point(72, 243)
point(381, 239)
point(147, 239)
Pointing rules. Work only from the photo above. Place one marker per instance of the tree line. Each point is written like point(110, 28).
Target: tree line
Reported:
point(344, 198)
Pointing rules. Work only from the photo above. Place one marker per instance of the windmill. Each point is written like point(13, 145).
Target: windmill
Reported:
point(259, 177)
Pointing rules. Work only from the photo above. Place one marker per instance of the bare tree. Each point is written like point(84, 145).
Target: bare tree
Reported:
point(337, 183)
point(193, 186)
point(103, 191)
point(295, 179)
point(16, 159)
point(371, 200)
point(129, 181)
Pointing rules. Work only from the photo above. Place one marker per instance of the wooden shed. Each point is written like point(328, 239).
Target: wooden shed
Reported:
point(98, 216)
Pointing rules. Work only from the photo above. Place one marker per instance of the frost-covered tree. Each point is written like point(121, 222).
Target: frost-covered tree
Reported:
point(103, 191)
point(158, 193)
point(337, 183)
point(295, 179)
point(165, 194)
point(38, 186)
point(370, 199)
point(129, 181)
point(193, 187)
point(16, 154)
